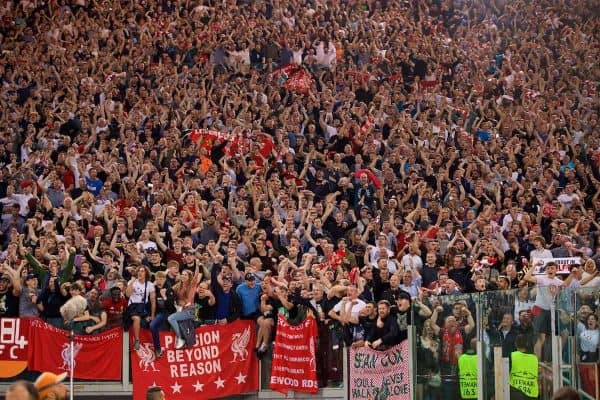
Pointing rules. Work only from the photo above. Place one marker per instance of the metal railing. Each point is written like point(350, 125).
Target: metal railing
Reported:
point(560, 362)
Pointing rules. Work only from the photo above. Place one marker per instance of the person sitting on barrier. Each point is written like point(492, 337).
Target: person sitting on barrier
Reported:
point(165, 306)
point(385, 333)
point(142, 302)
point(524, 371)
point(185, 291)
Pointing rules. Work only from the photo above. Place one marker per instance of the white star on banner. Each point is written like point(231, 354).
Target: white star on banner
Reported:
point(241, 378)
point(153, 385)
point(176, 388)
point(198, 386)
point(220, 383)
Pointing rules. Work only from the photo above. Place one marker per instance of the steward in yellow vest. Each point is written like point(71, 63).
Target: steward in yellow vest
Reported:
point(523, 372)
point(467, 375)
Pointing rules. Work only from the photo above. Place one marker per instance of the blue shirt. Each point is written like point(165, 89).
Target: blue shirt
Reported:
point(250, 298)
point(94, 185)
point(223, 301)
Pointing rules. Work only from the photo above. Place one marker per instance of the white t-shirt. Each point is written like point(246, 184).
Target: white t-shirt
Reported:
point(138, 292)
point(567, 199)
point(544, 296)
point(356, 308)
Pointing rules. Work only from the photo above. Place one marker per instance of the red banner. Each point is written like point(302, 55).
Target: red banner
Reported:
point(294, 360)
point(50, 350)
point(222, 363)
point(238, 144)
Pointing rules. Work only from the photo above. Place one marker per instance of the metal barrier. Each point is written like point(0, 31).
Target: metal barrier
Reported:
point(564, 354)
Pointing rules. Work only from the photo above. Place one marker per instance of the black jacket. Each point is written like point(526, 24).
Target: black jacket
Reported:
point(389, 333)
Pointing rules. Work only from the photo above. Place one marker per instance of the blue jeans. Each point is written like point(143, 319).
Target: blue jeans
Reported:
point(186, 313)
point(155, 325)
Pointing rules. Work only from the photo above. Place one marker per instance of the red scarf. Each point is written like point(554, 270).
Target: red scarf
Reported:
point(452, 345)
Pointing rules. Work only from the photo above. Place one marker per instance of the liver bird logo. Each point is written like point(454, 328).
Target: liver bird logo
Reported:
point(147, 357)
point(66, 355)
point(239, 345)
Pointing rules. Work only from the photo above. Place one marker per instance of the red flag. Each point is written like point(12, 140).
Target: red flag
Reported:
point(241, 144)
point(333, 261)
point(294, 365)
point(295, 79)
point(222, 363)
point(366, 126)
point(207, 138)
point(372, 177)
point(50, 350)
point(299, 82)
point(288, 71)
point(266, 144)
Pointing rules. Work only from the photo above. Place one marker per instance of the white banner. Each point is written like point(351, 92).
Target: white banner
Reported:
point(564, 264)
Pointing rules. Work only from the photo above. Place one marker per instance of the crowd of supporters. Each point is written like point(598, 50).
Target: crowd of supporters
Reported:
point(433, 148)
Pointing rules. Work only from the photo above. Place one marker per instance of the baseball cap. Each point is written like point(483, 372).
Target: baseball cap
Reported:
point(249, 276)
point(4, 278)
point(30, 276)
point(46, 381)
point(403, 295)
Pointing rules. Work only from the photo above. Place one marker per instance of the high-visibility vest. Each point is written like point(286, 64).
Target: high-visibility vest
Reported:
point(524, 373)
point(467, 375)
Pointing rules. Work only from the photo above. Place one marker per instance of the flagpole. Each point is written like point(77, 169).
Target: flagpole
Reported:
point(71, 364)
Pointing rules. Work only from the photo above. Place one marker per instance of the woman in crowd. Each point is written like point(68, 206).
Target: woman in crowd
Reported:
point(185, 291)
